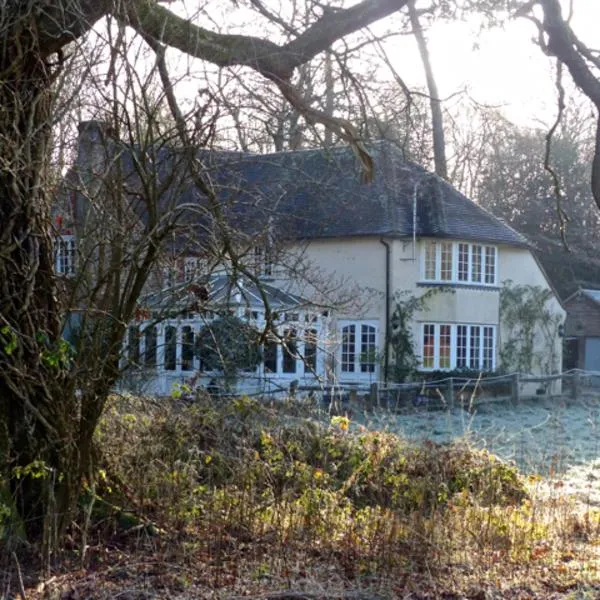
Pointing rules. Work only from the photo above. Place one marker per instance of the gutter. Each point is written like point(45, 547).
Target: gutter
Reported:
point(388, 299)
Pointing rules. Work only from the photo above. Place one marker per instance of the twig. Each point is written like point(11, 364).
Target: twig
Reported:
point(19, 576)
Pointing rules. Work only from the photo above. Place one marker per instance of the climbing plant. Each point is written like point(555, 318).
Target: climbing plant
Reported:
point(530, 327)
point(405, 361)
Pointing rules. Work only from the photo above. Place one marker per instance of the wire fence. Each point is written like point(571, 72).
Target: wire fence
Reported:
point(447, 392)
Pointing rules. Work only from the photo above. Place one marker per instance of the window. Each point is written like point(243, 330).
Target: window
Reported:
point(348, 348)
point(475, 347)
point(428, 346)
point(445, 342)
point(263, 261)
point(446, 261)
point(488, 349)
point(461, 346)
point(430, 260)
point(270, 357)
point(446, 346)
point(358, 352)
point(150, 347)
point(310, 350)
point(133, 345)
point(476, 263)
point(490, 265)
point(290, 351)
point(463, 262)
point(459, 262)
point(170, 348)
point(187, 348)
point(368, 349)
point(191, 268)
point(64, 255)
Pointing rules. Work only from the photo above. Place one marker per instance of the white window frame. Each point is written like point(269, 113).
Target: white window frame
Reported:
point(485, 333)
point(361, 369)
point(191, 268)
point(262, 256)
point(155, 360)
point(436, 248)
point(65, 255)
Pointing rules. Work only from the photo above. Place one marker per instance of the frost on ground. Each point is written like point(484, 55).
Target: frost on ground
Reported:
point(555, 437)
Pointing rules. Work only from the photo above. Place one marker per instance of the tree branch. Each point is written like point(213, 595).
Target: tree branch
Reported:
point(564, 45)
point(59, 23)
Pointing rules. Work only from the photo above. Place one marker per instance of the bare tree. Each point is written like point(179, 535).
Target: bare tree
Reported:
point(437, 120)
point(49, 410)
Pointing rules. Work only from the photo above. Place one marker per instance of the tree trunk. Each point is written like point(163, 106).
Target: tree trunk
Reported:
point(437, 119)
point(42, 453)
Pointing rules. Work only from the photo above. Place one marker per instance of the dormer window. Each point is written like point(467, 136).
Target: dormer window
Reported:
point(64, 255)
point(459, 263)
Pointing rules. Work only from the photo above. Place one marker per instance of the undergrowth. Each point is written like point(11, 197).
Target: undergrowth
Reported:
point(249, 496)
point(239, 476)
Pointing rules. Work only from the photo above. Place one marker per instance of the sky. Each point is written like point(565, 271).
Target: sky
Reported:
point(501, 67)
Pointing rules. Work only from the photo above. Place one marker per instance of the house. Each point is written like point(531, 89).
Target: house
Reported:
point(309, 227)
point(582, 330)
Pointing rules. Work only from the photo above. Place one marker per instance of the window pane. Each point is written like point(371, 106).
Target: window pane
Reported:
point(428, 346)
point(290, 352)
point(490, 264)
point(476, 263)
point(191, 268)
point(368, 349)
point(187, 348)
point(133, 345)
point(65, 255)
point(170, 348)
point(310, 350)
point(430, 251)
point(348, 348)
point(445, 338)
point(446, 261)
point(488, 348)
point(461, 346)
point(150, 342)
point(474, 347)
point(463, 262)
point(270, 357)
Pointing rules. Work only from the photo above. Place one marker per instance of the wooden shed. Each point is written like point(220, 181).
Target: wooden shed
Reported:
point(582, 331)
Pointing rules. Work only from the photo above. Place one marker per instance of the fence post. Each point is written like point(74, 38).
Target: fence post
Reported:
point(352, 396)
point(373, 395)
point(516, 388)
point(450, 392)
point(576, 385)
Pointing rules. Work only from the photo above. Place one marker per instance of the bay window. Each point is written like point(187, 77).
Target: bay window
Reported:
point(460, 263)
point(451, 346)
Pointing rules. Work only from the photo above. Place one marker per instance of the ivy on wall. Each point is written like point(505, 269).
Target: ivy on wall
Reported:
point(405, 361)
point(531, 329)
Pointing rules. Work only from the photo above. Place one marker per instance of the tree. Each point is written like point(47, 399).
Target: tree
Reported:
point(44, 418)
point(229, 345)
point(512, 183)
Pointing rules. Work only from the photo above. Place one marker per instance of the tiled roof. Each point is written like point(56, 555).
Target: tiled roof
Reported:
point(319, 193)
